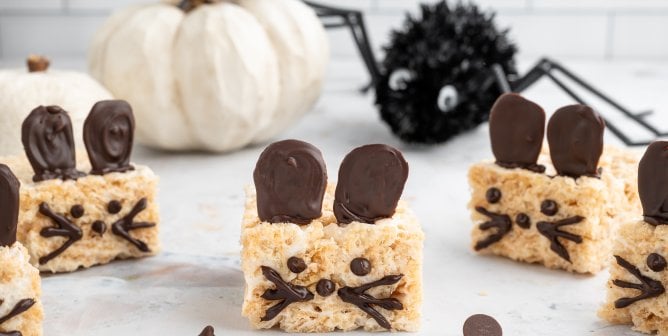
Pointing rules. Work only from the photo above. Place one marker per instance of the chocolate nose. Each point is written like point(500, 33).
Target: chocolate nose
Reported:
point(325, 287)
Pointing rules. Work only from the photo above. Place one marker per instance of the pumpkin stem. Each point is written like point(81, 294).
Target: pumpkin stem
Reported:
point(188, 5)
point(37, 63)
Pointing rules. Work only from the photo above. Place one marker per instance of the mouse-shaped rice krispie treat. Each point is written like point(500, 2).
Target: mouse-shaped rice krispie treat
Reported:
point(73, 218)
point(20, 285)
point(319, 258)
point(639, 271)
point(559, 208)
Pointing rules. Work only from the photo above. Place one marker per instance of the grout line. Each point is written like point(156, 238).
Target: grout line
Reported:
point(610, 34)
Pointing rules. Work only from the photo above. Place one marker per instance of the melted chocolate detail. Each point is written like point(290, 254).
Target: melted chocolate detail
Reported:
point(523, 220)
point(653, 183)
point(516, 130)
point(9, 206)
point(360, 266)
point(123, 226)
point(501, 223)
point(493, 195)
point(551, 230)
point(284, 292)
point(371, 180)
point(108, 135)
point(114, 207)
point(325, 287)
point(656, 262)
point(549, 207)
point(364, 301)
point(63, 228)
point(49, 145)
point(290, 179)
point(208, 331)
point(296, 265)
point(575, 136)
point(482, 325)
point(20, 308)
point(99, 227)
point(648, 287)
point(536, 168)
point(77, 211)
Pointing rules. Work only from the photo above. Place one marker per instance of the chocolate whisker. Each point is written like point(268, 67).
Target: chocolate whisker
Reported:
point(284, 291)
point(649, 287)
point(552, 232)
point(363, 301)
point(502, 223)
point(123, 226)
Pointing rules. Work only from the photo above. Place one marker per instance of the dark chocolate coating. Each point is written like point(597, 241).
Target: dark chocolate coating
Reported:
point(523, 220)
point(653, 183)
point(482, 325)
point(290, 179)
point(575, 136)
point(371, 180)
point(108, 134)
point(9, 206)
point(48, 142)
point(77, 211)
point(549, 207)
point(516, 129)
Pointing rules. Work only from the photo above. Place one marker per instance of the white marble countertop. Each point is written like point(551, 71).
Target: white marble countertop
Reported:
point(196, 280)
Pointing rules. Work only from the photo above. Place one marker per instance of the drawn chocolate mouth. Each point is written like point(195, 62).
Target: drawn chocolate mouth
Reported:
point(364, 301)
point(288, 294)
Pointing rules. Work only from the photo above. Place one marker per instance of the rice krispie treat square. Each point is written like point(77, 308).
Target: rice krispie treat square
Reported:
point(319, 258)
point(560, 208)
point(20, 285)
point(639, 271)
point(70, 219)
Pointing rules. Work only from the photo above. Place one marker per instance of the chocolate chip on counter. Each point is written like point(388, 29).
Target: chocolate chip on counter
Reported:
point(482, 325)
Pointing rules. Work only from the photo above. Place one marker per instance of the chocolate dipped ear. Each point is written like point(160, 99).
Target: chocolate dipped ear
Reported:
point(108, 135)
point(371, 180)
point(290, 180)
point(9, 206)
point(516, 129)
point(575, 136)
point(653, 183)
point(48, 142)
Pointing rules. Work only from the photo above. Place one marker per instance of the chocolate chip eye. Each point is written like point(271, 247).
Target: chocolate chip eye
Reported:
point(656, 262)
point(325, 287)
point(77, 211)
point(549, 207)
point(523, 220)
point(114, 207)
point(493, 195)
point(360, 266)
point(296, 265)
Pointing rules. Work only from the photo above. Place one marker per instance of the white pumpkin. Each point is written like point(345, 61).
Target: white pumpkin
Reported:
point(216, 78)
point(24, 89)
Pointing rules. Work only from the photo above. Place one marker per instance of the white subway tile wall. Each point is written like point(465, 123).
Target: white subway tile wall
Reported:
point(606, 29)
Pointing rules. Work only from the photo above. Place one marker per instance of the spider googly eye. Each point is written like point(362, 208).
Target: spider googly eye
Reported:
point(360, 266)
point(448, 98)
point(296, 265)
point(656, 262)
point(399, 79)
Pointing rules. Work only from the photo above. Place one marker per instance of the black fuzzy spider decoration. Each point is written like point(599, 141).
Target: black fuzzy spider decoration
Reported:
point(437, 79)
point(443, 71)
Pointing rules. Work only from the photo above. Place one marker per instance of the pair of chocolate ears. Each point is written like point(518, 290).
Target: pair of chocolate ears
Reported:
point(49, 144)
point(574, 134)
point(290, 181)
